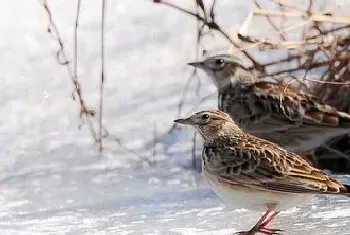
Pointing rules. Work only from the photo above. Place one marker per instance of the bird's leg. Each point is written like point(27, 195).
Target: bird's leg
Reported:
point(266, 222)
point(257, 225)
point(263, 229)
point(260, 226)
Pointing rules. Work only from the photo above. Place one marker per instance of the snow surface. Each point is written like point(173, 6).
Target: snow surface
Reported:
point(54, 181)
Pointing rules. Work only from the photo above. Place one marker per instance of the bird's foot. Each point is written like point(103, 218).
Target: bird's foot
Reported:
point(261, 229)
point(270, 231)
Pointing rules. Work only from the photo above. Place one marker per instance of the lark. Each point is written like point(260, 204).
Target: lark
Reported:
point(294, 119)
point(256, 174)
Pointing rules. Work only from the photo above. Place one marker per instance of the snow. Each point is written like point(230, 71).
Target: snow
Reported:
point(53, 179)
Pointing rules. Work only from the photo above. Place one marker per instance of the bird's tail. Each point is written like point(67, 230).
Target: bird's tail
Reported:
point(347, 189)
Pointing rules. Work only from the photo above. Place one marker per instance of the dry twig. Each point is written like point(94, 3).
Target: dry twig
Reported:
point(323, 46)
point(85, 113)
point(102, 76)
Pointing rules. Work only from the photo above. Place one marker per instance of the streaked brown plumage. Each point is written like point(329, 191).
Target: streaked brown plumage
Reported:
point(296, 120)
point(255, 173)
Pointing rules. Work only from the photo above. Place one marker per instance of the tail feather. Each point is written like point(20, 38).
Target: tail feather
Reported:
point(347, 187)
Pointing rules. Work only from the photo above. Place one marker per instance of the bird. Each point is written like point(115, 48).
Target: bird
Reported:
point(297, 120)
point(256, 174)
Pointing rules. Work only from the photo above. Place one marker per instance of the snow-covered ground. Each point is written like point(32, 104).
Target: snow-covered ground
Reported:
point(54, 181)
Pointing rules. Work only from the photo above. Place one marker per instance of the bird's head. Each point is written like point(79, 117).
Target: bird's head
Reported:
point(211, 124)
point(225, 70)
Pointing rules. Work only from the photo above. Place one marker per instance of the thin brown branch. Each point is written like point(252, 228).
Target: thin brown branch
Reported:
point(53, 31)
point(199, 38)
point(211, 24)
point(194, 147)
point(102, 76)
point(75, 41)
point(184, 92)
point(273, 25)
point(308, 11)
point(62, 59)
point(328, 31)
point(287, 4)
point(139, 155)
point(212, 11)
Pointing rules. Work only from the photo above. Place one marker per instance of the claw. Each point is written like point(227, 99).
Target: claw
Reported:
point(244, 233)
point(270, 231)
point(260, 226)
point(263, 230)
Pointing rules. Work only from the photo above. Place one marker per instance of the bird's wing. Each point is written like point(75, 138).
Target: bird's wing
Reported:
point(263, 165)
point(275, 107)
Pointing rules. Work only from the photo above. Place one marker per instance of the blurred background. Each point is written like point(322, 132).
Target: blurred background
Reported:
point(67, 169)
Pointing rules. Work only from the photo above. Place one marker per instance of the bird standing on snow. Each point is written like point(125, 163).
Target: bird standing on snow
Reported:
point(256, 174)
point(296, 120)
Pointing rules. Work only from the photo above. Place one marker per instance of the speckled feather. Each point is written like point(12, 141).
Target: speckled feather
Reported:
point(262, 99)
point(294, 119)
point(261, 164)
point(283, 115)
point(253, 173)
point(256, 174)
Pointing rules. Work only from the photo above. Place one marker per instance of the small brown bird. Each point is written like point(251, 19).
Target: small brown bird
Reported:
point(296, 120)
point(256, 174)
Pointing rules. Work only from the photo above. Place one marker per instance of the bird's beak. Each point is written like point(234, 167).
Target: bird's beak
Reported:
point(185, 121)
point(196, 64)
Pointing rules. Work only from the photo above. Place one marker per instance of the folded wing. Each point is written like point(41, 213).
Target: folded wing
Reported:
point(260, 164)
point(269, 107)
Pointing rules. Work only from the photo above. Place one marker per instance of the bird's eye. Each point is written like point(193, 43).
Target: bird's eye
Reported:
point(205, 116)
point(219, 62)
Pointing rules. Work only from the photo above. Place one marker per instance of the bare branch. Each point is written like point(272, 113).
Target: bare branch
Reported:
point(62, 59)
point(102, 76)
point(211, 24)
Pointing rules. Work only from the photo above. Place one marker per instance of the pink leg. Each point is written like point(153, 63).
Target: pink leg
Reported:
point(260, 226)
point(266, 222)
